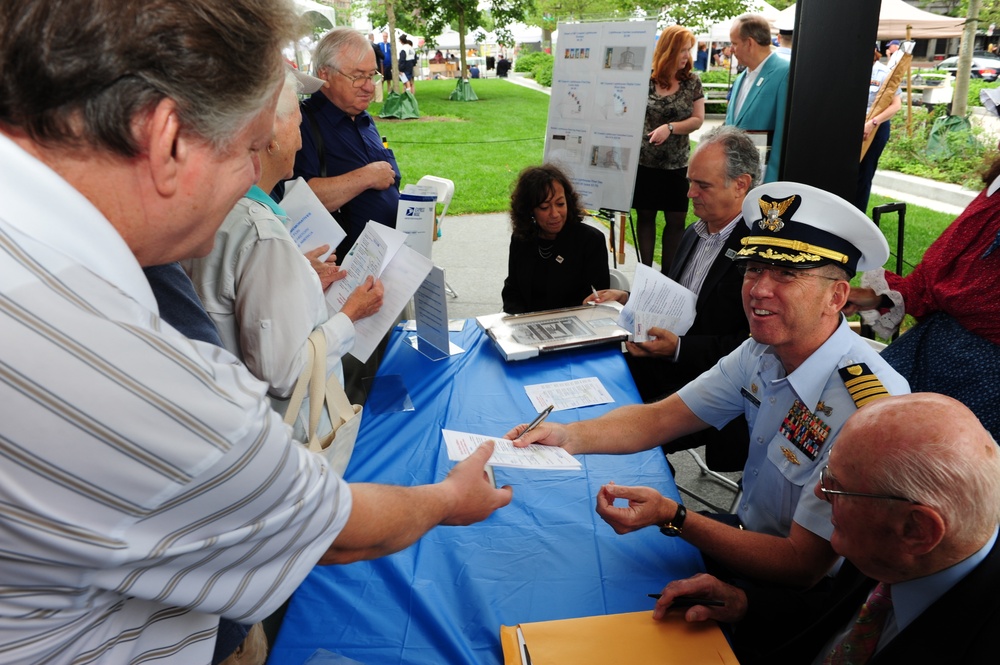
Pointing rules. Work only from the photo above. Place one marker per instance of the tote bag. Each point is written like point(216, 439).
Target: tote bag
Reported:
point(336, 446)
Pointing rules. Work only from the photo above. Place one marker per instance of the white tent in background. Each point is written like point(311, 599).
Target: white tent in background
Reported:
point(448, 40)
point(896, 15)
point(306, 7)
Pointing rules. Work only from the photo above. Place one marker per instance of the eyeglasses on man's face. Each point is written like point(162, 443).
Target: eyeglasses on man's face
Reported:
point(752, 271)
point(827, 485)
point(359, 81)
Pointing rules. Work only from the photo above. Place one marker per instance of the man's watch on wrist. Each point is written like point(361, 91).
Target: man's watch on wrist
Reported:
point(670, 127)
point(675, 526)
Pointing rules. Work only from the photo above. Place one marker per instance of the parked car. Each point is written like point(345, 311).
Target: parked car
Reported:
point(983, 67)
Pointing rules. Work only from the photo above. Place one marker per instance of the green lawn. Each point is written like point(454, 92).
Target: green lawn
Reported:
point(483, 145)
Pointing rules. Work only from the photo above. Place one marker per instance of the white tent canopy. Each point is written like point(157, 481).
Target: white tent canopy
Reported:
point(448, 40)
point(304, 7)
point(896, 15)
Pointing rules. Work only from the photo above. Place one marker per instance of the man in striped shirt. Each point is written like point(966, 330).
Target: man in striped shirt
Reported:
point(146, 486)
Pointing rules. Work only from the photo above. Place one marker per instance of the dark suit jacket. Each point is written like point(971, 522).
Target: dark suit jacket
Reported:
point(720, 325)
point(960, 628)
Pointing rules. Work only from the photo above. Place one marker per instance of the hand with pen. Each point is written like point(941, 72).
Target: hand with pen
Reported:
point(538, 431)
point(606, 295)
point(727, 603)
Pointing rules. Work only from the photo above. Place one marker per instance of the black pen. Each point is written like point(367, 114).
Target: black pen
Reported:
point(690, 601)
point(538, 421)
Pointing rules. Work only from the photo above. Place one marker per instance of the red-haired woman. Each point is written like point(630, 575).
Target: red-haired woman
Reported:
point(676, 107)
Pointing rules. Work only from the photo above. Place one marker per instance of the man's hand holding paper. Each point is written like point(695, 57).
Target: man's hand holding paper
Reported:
point(661, 343)
point(657, 301)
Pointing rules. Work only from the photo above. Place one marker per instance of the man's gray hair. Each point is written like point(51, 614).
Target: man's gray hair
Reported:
point(755, 27)
point(77, 73)
point(742, 156)
point(964, 489)
point(339, 49)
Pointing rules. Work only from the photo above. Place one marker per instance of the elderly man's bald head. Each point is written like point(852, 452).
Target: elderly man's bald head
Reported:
point(933, 450)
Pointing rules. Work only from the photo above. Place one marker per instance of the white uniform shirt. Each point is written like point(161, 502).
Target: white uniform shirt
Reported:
point(147, 485)
point(780, 411)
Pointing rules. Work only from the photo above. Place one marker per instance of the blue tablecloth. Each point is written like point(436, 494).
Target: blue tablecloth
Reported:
point(548, 555)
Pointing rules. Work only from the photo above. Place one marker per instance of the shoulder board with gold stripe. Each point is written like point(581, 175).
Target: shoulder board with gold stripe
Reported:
point(862, 384)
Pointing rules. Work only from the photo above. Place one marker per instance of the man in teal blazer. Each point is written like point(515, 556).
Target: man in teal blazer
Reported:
point(757, 102)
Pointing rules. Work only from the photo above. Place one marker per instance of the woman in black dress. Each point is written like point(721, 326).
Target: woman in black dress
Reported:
point(675, 108)
point(555, 258)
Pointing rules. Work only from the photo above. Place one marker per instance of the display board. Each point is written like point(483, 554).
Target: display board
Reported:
point(600, 83)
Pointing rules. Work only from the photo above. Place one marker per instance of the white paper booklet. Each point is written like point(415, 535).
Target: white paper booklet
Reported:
point(309, 223)
point(462, 444)
point(379, 251)
point(657, 301)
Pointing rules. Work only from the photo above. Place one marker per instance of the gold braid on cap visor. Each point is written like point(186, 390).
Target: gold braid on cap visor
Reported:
point(815, 252)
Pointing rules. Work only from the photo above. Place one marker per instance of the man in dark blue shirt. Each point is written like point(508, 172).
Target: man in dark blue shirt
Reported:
point(342, 156)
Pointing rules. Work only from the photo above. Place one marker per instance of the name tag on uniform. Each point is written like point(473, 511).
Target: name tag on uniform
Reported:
point(750, 397)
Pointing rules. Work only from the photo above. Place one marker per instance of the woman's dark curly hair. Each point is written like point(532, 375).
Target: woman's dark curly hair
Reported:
point(533, 186)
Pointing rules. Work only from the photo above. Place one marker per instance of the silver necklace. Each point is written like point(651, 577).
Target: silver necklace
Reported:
point(545, 252)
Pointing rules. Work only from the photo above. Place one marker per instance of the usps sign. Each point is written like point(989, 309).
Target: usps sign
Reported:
point(415, 217)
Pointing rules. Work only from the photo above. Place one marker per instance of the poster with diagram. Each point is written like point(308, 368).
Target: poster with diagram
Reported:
point(600, 82)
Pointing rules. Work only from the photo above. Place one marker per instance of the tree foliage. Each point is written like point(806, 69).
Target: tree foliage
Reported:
point(696, 15)
point(431, 17)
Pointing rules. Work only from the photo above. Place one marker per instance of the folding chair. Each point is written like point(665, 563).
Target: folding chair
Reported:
point(445, 190)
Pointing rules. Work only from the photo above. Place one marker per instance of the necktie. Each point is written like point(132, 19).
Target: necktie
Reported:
point(859, 644)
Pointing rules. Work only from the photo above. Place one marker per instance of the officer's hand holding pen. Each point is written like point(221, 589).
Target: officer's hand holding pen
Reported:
point(517, 434)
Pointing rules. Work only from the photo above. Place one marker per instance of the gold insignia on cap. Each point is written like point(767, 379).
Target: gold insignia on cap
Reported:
point(790, 456)
point(802, 257)
point(772, 212)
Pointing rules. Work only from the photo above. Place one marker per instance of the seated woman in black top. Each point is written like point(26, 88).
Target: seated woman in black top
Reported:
point(555, 259)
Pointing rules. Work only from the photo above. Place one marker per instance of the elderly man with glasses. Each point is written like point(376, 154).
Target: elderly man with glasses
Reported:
point(342, 156)
point(798, 378)
point(914, 487)
point(344, 160)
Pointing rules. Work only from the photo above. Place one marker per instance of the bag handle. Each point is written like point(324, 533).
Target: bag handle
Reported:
point(321, 389)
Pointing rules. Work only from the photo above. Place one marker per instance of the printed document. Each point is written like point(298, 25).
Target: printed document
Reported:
point(309, 222)
point(462, 444)
point(568, 394)
point(380, 251)
point(656, 301)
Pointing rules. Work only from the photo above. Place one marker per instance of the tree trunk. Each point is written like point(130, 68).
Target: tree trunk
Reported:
point(960, 98)
point(461, 42)
point(390, 13)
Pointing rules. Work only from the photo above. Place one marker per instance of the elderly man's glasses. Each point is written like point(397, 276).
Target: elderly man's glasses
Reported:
point(754, 271)
point(359, 81)
point(827, 483)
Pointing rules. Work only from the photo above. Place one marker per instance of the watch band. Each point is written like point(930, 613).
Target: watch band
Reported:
point(675, 526)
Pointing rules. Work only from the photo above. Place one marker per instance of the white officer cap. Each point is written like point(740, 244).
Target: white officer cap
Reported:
point(799, 226)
